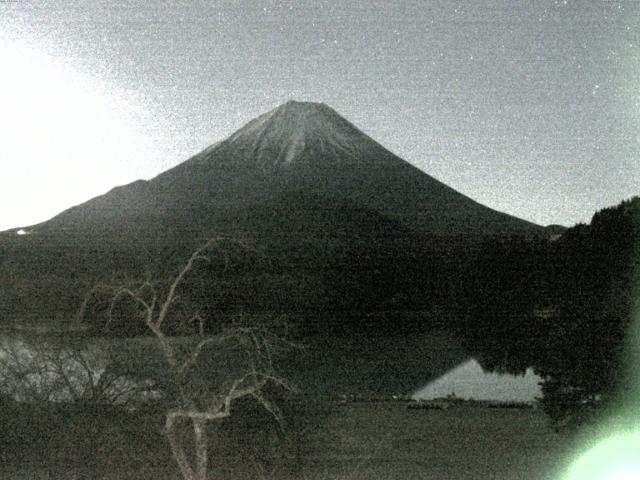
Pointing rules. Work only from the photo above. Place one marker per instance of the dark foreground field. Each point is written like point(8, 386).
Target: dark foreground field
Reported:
point(383, 440)
point(388, 441)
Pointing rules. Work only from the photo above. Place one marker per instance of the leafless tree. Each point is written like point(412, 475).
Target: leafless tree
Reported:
point(40, 372)
point(243, 364)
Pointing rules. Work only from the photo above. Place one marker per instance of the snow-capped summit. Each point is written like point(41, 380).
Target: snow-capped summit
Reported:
point(307, 186)
point(300, 148)
point(298, 132)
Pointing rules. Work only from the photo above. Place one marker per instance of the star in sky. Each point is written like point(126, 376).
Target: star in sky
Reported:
point(508, 92)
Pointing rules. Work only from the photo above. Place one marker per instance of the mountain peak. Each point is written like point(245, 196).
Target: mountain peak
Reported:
point(297, 115)
point(296, 147)
point(298, 105)
point(293, 129)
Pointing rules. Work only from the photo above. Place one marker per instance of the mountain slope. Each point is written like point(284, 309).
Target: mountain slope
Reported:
point(303, 147)
point(333, 209)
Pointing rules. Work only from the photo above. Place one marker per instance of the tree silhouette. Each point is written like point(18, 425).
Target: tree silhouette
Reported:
point(239, 361)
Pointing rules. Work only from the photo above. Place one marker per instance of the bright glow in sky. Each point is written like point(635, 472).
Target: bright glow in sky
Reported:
point(64, 138)
point(531, 108)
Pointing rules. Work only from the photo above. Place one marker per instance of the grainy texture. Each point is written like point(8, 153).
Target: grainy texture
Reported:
point(530, 108)
point(356, 441)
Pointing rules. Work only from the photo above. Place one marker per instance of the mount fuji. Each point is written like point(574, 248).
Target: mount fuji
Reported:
point(334, 209)
point(296, 149)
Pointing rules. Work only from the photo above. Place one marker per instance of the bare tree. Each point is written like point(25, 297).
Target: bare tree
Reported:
point(40, 372)
point(243, 364)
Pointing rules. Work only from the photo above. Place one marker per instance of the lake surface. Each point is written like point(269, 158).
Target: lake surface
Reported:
point(46, 362)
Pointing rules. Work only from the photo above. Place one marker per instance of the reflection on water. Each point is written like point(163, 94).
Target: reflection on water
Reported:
point(67, 368)
point(470, 381)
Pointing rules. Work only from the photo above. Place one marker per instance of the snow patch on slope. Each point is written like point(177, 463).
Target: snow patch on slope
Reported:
point(295, 147)
point(287, 131)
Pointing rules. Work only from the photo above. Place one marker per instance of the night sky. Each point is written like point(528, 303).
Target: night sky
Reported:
point(531, 108)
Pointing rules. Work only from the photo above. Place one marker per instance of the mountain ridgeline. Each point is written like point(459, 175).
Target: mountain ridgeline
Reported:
point(335, 220)
point(299, 148)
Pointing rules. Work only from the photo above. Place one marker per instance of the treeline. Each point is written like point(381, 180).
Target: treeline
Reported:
point(320, 257)
point(563, 306)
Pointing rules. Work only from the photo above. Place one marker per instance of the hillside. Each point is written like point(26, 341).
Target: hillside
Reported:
point(297, 147)
point(305, 186)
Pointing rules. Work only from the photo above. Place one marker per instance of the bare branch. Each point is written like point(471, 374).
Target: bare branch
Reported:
point(124, 291)
point(197, 317)
point(270, 407)
point(100, 287)
point(252, 347)
point(166, 347)
point(171, 296)
point(193, 358)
